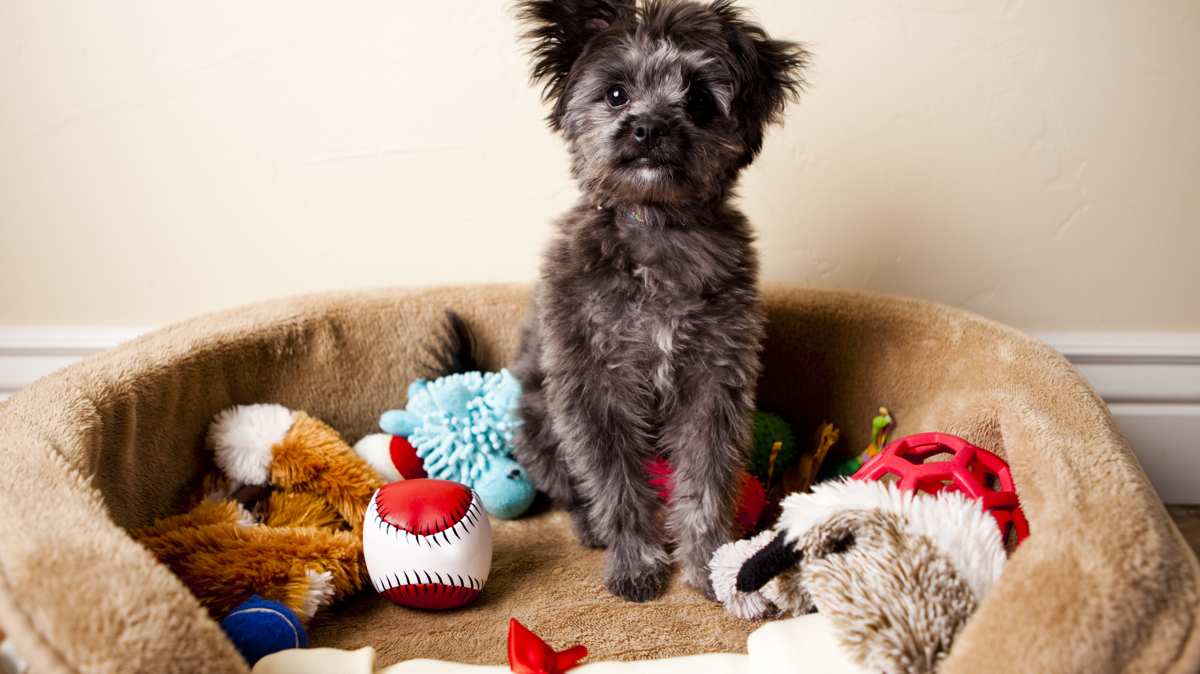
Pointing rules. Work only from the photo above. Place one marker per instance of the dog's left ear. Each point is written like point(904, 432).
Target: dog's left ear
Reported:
point(560, 31)
point(768, 73)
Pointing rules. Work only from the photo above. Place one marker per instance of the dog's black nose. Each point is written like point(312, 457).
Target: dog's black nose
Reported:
point(649, 132)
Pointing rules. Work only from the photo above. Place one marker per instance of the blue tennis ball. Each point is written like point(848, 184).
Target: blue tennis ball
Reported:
point(259, 627)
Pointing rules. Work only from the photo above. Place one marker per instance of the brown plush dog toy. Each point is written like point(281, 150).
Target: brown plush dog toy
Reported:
point(282, 520)
point(897, 573)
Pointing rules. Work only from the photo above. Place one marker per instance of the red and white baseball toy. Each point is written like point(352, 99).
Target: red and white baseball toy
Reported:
point(427, 543)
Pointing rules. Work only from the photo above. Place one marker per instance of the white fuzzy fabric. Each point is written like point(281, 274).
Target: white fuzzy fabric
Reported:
point(245, 517)
point(376, 450)
point(243, 437)
point(723, 570)
point(958, 526)
point(320, 592)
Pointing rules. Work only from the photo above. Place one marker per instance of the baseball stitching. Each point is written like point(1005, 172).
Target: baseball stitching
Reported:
point(466, 582)
point(464, 523)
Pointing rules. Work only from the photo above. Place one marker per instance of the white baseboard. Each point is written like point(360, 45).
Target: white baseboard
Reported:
point(29, 353)
point(1150, 380)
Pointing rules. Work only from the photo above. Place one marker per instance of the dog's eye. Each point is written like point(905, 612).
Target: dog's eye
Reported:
point(700, 104)
point(616, 96)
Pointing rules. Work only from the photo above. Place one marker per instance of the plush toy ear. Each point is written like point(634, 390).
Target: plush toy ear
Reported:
point(560, 30)
point(778, 556)
point(837, 534)
point(767, 73)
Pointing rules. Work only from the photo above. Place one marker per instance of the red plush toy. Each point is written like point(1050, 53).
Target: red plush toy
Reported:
point(752, 497)
point(528, 654)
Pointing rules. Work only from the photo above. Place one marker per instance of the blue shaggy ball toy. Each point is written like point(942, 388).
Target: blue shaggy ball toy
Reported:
point(462, 426)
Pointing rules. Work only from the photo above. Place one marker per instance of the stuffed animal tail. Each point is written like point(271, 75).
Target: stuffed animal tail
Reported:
point(455, 352)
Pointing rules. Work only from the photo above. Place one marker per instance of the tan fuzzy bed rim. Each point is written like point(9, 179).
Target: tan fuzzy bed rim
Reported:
point(1105, 583)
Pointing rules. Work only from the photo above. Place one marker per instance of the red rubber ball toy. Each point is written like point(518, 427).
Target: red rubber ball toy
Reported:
point(970, 470)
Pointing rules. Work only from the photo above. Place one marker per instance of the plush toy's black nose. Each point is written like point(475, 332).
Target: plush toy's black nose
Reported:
point(514, 474)
point(649, 132)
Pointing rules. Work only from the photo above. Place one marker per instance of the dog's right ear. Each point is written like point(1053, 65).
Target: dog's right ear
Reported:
point(560, 30)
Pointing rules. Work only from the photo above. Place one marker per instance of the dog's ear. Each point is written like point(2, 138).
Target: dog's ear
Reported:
point(768, 74)
point(559, 31)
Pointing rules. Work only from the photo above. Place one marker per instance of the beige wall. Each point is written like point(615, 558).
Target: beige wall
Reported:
point(1033, 161)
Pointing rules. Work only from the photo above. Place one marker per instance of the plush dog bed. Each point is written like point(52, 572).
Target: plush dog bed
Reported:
point(1105, 583)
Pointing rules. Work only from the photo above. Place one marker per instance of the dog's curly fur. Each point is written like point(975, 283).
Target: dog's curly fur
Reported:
point(645, 332)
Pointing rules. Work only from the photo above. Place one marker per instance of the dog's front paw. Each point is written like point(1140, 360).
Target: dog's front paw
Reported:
point(639, 577)
point(637, 585)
